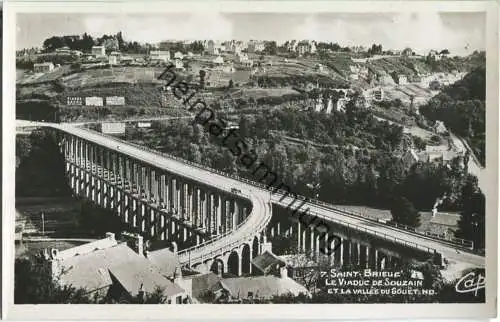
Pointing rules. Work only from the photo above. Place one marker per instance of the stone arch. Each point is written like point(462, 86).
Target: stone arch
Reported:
point(246, 258)
point(233, 263)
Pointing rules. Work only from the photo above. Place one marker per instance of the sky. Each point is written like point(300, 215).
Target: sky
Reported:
point(460, 32)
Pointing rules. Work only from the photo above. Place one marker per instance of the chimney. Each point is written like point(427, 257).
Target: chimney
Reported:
point(134, 241)
point(141, 292)
point(174, 247)
point(283, 272)
point(110, 236)
point(139, 244)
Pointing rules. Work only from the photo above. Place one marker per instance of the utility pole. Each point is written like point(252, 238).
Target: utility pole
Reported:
point(43, 223)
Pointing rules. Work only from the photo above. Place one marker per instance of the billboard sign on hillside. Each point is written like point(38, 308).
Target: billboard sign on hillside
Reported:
point(115, 100)
point(74, 100)
point(94, 101)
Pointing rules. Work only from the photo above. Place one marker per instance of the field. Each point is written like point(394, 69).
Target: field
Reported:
point(35, 78)
point(262, 92)
point(95, 77)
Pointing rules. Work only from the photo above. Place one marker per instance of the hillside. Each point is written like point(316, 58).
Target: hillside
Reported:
point(462, 108)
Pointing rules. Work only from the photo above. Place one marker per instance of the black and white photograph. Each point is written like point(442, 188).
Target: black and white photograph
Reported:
point(251, 157)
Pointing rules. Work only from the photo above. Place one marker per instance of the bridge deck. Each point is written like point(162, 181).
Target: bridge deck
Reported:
point(256, 222)
point(259, 197)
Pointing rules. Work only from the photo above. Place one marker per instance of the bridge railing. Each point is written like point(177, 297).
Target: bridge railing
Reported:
point(260, 227)
point(226, 247)
point(456, 241)
point(376, 233)
point(212, 240)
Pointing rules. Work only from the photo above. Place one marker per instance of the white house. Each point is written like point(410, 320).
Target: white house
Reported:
point(98, 51)
point(212, 48)
point(43, 67)
point(178, 63)
point(320, 68)
point(306, 47)
point(113, 60)
point(378, 94)
point(241, 57)
point(218, 60)
point(402, 80)
point(255, 46)
point(178, 55)
point(162, 55)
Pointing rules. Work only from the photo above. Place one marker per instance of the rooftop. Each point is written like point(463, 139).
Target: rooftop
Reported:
point(261, 286)
point(141, 274)
point(166, 261)
point(90, 270)
point(266, 261)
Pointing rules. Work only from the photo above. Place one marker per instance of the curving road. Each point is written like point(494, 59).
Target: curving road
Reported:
point(256, 221)
point(261, 211)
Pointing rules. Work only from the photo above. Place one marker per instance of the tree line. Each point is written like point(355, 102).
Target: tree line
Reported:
point(462, 108)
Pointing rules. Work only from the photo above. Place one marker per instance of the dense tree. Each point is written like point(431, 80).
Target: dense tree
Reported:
point(33, 284)
point(462, 108)
point(471, 225)
point(41, 171)
point(270, 48)
point(404, 213)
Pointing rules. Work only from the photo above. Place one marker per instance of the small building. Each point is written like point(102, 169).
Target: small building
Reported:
point(402, 80)
point(179, 64)
point(112, 127)
point(98, 51)
point(110, 269)
point(235, 47)
point(385, 79)
point(255, 46)
point(159, 55)
point(241, 57)
point(259, 287)
point(267, 263)
point(407, 52)
point(212, 48)
point(378, 94)
point(306, 47)
point(63, 50)
point(319, 67)
point(43, 67)
point(410, 156)
point(247, 63)
point(218, 60)
point(440, 128)
point(341, 105)
point(178, 55)
point(126, 59)
point(113, 59)
point(228, 68)
point(77, 53)
point(197, 285)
